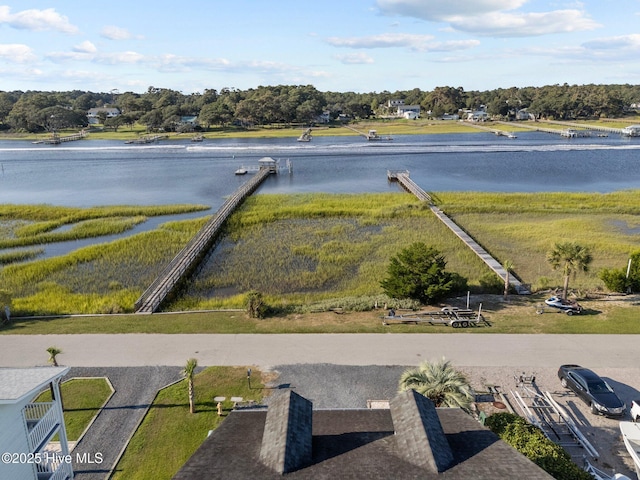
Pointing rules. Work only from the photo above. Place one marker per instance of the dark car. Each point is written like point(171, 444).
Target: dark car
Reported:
point(566, 306)
point(591, 389)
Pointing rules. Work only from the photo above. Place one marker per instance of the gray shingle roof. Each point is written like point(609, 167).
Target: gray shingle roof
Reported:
point(359, 443)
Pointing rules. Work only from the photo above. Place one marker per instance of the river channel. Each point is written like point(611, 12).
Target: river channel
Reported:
point(100, 172)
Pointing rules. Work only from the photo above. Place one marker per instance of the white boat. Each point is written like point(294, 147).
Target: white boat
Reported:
point(306, 136)
point(241, 171)
point(631, 436)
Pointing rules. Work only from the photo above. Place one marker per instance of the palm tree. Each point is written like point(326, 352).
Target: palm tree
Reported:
point(189, 371)
point(571, 258)
point(439, 382)
point(53, 353)
point(508, 267)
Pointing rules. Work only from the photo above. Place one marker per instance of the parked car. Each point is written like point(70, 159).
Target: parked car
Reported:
point(635, 410)
point(566, 306)
point(592, 390)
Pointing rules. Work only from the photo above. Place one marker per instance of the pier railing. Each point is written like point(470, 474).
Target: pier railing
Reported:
point(402, 177)
point(186, 259)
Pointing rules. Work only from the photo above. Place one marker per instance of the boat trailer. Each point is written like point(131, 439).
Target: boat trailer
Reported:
point(449, 316)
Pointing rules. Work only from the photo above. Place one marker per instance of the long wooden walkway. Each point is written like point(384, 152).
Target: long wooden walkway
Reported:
point(186, 259)
point(402, 177)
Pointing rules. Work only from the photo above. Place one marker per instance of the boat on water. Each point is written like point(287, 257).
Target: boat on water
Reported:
point(305, 136)
point(241, 171)
point(631, 437)
point(373, 135)
point(197, 138)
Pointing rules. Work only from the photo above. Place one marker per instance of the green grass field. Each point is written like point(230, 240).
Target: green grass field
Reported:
point(150, 455)
point(82, 398)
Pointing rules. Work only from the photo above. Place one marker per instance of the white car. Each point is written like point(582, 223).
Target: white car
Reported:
point(635, 410)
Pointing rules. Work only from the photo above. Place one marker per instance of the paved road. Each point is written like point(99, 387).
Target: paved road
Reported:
point(489, 350)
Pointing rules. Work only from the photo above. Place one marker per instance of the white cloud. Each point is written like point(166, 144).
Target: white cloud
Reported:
point(524, 25)
point(441, 10)
point(422, 43)
point(37, 20)
point(496, 18)
point(16, 53)
point(115, 33)
point(625, 42)
point(85, 47)
point(118, 58)
point(354, 58)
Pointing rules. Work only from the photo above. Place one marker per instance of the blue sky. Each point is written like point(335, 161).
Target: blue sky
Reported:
point(335, 45)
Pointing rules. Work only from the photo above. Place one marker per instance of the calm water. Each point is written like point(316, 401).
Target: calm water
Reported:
point(96, 172)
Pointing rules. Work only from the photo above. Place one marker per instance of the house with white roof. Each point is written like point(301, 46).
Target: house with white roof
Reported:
point(93, 114)
point(27, 426)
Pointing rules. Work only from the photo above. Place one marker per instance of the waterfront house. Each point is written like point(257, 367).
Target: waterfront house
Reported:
point(27, 426)
point(93, 114)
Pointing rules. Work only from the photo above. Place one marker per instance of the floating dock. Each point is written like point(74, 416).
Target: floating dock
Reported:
point(402, 177)
point(189, 257)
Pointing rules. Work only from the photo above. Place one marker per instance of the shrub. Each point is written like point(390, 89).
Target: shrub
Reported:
point(532, 443)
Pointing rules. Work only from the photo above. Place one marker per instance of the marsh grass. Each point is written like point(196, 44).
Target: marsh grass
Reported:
point(26, 225)
point(300, 249)
point(322, 249)
point(19, 255)
point(524, 227)
point(149, 455)
point(102, 278)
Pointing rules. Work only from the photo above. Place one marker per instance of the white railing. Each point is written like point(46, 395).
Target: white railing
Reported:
point(41, 419)
point(56, 470)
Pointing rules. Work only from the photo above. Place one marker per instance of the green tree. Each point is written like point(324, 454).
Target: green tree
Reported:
point(441, 383)
point(189, 372)
point(53, 354)
point(418, 272)
point(256, 308)
point(570, 258)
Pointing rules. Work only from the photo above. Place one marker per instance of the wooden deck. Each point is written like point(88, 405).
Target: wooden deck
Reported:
point(402, 177)
point(188, 258)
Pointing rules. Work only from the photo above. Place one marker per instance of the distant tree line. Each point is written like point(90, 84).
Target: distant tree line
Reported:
point(162, 108)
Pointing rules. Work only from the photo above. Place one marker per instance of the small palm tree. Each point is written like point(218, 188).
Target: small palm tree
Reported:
point(53, 353)
point(439, 382)
point(571, 258)
point(508, 267)
point(189, 371)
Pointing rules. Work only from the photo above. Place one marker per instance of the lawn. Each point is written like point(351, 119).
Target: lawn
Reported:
point(169, 434)
point(603, 315)
point(82, 398)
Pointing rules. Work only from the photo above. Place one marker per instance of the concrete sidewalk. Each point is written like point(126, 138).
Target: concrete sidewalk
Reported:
point(133, 350)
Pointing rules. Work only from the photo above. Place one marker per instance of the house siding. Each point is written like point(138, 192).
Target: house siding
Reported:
point(13, 439)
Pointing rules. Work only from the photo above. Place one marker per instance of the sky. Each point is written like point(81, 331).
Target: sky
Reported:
point(335, 45)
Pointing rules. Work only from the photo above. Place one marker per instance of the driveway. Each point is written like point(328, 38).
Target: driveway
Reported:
point(135, 388)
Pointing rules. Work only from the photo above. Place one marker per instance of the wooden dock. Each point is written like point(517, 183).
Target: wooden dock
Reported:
point(402, 177)
point(57, 139)
point(495, 131)
point(188, 258)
